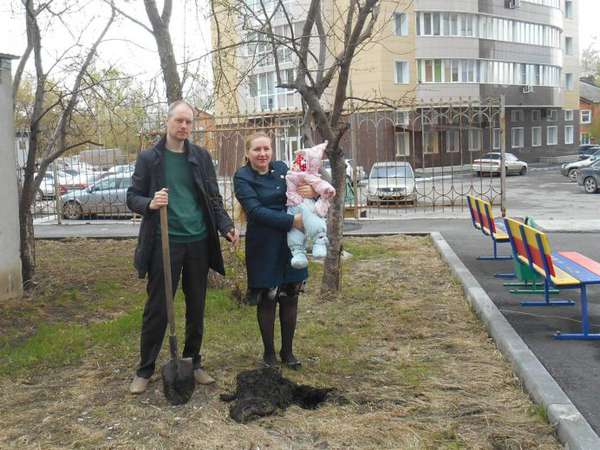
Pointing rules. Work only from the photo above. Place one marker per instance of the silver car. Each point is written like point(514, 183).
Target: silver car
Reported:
point(107, 197)
point(391, 182)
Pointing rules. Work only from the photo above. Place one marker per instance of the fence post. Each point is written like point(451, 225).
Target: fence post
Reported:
point(502, 155)
point(56, 194)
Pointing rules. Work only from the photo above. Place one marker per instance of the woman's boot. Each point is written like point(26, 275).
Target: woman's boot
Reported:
point(288, 314)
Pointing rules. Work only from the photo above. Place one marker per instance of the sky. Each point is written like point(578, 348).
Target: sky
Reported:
point(189, 28)
point(127, 45)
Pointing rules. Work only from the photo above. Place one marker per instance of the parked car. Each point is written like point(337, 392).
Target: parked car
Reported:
point(360, 171)
point(391, 182)
point(589, 177)
point(71, 180)
point(571, 169)
point(490, 163)
point(46, 190)
point(106, 197)
point(586, 150)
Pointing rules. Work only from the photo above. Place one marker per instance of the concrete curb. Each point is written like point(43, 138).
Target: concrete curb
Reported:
point(572, 428)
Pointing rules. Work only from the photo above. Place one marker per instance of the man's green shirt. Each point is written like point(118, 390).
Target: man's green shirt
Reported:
point(186, 219)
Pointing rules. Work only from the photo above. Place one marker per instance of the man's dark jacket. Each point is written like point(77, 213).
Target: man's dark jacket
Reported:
point(149, 177)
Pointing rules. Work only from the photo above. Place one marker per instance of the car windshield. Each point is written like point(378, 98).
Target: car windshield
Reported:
point(491, 156)
point(392, 172)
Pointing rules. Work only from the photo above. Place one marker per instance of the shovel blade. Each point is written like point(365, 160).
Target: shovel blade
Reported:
point(178, 380)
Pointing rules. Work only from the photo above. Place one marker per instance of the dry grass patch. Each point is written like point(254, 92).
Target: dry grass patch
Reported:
point(400, 343)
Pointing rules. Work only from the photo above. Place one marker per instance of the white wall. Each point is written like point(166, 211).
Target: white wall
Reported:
point(10, 262)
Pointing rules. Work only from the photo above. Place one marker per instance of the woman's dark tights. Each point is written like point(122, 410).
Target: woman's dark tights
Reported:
point(288, 314)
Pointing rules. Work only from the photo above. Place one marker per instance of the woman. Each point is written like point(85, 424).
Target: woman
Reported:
point(260, 188)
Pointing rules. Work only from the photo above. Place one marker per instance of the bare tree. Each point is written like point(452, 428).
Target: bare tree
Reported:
point(159, 29)
point(323, 41)
point(48, 140)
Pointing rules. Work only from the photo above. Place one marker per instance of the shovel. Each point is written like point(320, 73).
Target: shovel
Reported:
point(177, 374)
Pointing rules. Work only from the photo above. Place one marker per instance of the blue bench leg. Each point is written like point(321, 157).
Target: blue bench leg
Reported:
point(547, 301)
point(495, 256)
point(585, 335)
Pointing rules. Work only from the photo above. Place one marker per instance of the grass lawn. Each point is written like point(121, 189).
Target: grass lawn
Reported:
point(399, 342)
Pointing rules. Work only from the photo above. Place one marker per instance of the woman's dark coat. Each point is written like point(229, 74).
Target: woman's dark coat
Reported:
point(267, 253)
point(149, 177)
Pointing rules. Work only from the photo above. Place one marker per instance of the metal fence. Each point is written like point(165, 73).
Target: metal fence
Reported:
point(415, 158)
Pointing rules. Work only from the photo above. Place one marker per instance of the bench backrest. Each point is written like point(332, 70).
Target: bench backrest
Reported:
point(472, 203)
point(481, 214)
point(531, 245)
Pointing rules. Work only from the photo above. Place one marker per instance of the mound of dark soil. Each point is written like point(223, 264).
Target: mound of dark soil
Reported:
point(262, 392)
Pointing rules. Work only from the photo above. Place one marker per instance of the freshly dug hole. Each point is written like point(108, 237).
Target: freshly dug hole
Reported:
point(261, 392)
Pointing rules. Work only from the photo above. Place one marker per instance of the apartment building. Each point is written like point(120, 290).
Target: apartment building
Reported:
point(429, 52)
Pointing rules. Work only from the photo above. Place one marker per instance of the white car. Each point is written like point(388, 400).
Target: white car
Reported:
point(571, 169)
point(490, 163)
point(391, 182)
point(46, 190)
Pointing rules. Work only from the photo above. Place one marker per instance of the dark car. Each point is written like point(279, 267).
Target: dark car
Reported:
point(589, 178)
point(586, 150)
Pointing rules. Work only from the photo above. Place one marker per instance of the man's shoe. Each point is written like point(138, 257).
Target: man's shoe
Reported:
point(138, 385)
point(202, 377)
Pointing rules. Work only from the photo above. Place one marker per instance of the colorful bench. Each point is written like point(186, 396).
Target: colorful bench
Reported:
point(563, 270)
point(483, 220)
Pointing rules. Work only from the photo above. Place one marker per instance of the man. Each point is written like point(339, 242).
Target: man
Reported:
point(179, 176)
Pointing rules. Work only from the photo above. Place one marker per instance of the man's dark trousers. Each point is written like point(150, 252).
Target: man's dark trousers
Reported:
point(190, 260)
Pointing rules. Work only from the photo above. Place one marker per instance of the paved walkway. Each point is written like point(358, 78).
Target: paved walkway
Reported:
point(575, 365)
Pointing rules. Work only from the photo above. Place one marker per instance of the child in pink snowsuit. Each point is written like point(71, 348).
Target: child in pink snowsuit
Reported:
point(305, 170)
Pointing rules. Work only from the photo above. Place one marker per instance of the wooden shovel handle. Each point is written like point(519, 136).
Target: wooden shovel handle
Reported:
point(166, 260)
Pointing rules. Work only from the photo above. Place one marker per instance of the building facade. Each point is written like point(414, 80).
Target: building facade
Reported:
point(428, 52)
point(10, 261)
point(589, 112)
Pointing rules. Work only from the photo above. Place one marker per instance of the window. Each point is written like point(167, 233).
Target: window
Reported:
point(568, 9)
point(430, 142)
point(474, 139)
point(536, 136)
point(402, 118)
point(486, 27)
point(586, 116)
point(568, 115)
point(536, 115)
point(452, 141)
point(568, 45)
point(400, 24)
point(569, 81)
point(252, 86)
point(516, 115)
point(487, 71)
point(552, 135)
point(105, 185)
point(496, 138)
point(517, 137)
point(569, 135)
point(402, 143)
point(552, 115)
point(584, 138)
point(402, 75)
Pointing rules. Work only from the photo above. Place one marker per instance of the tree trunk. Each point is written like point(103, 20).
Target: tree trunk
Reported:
point(160, 31)
point(27, 243)
point(168, 64)
point(335, 224)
